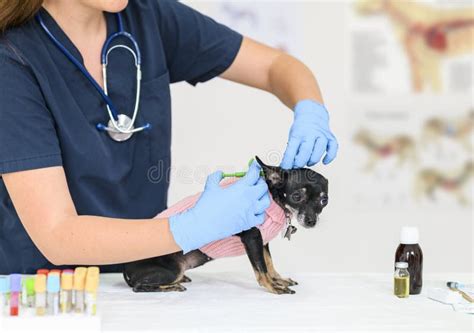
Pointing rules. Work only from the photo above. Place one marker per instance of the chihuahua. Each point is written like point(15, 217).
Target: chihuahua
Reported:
point(301, 193)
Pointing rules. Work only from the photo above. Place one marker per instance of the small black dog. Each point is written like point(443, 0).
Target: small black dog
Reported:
point(302, 193)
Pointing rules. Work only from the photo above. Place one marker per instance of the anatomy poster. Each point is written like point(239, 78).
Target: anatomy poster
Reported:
point(410, 81)
point(407, 160)
point(411, 46)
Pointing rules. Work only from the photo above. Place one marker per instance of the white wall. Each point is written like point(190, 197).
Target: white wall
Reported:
point(221, 125)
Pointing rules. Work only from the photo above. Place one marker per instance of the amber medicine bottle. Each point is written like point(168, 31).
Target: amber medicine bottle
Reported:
point(409, 251)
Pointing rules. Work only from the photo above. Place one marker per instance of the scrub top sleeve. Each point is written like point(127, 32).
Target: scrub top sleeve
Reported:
point(197, 48)
point(28, 138)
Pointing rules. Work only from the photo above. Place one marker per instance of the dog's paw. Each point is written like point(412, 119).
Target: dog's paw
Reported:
point(279, 289)
point(290, 282)
point(150, 287)
point(284, 282)
point(174, 287)
point(276, 286)
point(185, 279)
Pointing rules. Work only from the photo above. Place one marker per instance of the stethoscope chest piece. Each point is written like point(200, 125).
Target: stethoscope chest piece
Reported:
point(123, 123)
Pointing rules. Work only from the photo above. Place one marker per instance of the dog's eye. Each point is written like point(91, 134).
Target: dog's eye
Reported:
point(297, 197)
point(324, 199)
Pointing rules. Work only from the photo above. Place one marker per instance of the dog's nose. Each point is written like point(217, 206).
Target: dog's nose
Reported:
point(311, 223)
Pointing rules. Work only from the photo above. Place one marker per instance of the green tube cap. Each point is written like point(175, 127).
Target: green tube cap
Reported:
point(30, 285)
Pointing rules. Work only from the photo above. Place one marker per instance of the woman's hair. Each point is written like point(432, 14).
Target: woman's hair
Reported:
point(16, 12)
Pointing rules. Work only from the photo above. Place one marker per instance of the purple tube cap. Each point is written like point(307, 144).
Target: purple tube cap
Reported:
point(15, 282)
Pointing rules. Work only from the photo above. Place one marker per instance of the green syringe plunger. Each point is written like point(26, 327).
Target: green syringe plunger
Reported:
point(239, 174)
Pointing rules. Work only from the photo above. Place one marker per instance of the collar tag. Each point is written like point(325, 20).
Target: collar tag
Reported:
point(288, 229)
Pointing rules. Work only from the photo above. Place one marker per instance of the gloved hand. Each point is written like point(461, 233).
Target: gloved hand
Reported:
point(310, 137)
point(222, 212)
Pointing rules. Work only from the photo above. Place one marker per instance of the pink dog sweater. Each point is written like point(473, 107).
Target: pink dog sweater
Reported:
point(232, 246)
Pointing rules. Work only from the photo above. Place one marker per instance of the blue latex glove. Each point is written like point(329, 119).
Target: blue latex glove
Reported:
point(222, 212)
point(310, 137)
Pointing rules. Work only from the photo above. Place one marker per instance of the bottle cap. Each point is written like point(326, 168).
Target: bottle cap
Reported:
point(55, 271)
point(40, 283)
point(30, 285)
point(92, 279)
point(15, 282)
point(42, 271)
point(409, 235)
point(4, 285)
point(66, 280)
point(80, 278)
point(401, 265)
point(52, 283)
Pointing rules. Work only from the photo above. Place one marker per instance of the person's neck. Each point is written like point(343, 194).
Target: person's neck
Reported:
point(75, 19)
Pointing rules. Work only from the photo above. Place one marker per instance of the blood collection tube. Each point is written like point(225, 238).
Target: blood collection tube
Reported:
point(40, 294)
point(65, 299)
point(52, 286)
point(30, 291)
point(44, 272)
point(78, 289)
point(15, 294)
point(92, 282)
point(27, 291)
point(4, 295)
point(24, 294)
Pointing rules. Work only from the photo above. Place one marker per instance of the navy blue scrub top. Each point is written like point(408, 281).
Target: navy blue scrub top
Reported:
point(49, 110)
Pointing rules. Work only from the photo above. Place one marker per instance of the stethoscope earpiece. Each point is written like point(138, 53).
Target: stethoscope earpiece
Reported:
point(120, 126)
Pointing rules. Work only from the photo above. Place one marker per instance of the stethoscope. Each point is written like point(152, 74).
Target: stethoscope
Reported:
point(120, 126)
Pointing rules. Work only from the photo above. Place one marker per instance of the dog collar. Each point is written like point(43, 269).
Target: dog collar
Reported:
point(289, 229)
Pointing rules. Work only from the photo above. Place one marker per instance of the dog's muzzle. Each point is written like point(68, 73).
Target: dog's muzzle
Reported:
point(308, 222)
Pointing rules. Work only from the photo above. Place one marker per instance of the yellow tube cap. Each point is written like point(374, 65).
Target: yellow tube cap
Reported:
point(80, 278)
point(40, 283)
point(66, 280)
point(92, 279)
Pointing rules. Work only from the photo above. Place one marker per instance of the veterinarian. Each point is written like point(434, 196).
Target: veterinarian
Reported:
point(76, 151)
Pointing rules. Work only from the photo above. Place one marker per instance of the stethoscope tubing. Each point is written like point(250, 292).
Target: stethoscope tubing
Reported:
point(111, 109)
point(78, 65)
point(136, 56)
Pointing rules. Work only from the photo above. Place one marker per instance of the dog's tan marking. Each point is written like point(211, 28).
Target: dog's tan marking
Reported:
point(172, 287)
point(273, 273)
point(273, 286)
point(185, 279)
point(154, 287)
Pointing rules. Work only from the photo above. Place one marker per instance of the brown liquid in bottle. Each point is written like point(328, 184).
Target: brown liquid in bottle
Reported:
point(410, 251)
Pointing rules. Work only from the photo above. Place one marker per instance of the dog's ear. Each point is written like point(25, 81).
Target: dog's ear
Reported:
point(274, 175)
